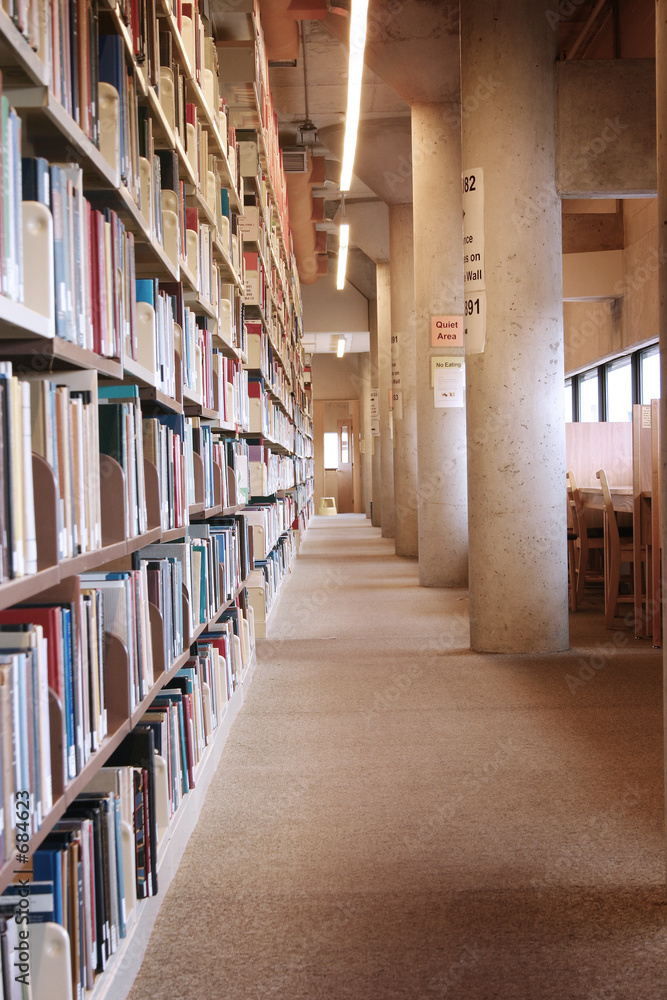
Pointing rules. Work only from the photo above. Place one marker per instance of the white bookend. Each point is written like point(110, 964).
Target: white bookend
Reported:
point(109, 112)
point(245, 637)
point(210, 190)
point(188, 37)
point(51, 969)
point(191, 148)
point(210, 85)
point(225, 319)
point(223, 227)
point(38, 249)
point(129, 869)
point(193, 254)
point(146, 192)
point(235, 253)
point(170, 231)
point(161, 797)
point(146, 336)
point(208, 718)
point(167, 102)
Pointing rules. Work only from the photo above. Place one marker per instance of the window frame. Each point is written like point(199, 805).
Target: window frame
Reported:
point(601, 370)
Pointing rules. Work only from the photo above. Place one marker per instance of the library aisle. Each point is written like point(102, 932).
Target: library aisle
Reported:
point(397, 818)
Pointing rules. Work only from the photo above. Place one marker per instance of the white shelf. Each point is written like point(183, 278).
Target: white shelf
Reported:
point(18, 321)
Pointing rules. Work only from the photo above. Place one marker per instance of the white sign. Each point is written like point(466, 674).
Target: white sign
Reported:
point(473, 230)
point(395, 363)
point(474, 267)
point(375, 404)
point(448, 385)
point(475, 322)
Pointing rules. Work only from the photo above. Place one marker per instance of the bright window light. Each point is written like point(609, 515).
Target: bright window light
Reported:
point(330, 450)
point(340, 350)
point(358, 18)
point(344, 239)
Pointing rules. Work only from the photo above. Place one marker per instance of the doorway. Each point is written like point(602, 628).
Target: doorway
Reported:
point(345, 467)
point(337, 453)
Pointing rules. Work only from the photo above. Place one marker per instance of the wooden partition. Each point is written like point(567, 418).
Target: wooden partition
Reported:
point(594, 446)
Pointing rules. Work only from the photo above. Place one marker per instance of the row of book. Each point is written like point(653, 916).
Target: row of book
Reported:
point(270, 472)
point(70, 420)
point(102, 856)
point(261, 358)
point(267, 418)
point(59, 652)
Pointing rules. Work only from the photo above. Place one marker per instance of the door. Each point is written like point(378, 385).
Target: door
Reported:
point(345, 455)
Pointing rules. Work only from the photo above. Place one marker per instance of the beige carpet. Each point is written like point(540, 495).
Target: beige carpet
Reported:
point(397, 818)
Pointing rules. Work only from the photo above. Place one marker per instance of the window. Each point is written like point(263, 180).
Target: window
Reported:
point(330, 450)
point(619, 389)
point(569, 401)
point(609, 391)
point(649, 374)
point(589, 396)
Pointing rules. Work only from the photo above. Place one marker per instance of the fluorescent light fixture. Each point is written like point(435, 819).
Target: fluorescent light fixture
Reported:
point(358, 18)
point(343, 241)
point(340, 350)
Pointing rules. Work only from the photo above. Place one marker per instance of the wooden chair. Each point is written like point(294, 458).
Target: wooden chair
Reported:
point(588, 539)
point(618, 549)
point(656, 526)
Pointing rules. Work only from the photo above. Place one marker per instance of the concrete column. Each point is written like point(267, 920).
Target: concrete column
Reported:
point(661, 96)
point(365, 431)
point(516, 433)
point(436, 172)
point(401, 263)
point(376, 450)
point(384, 382)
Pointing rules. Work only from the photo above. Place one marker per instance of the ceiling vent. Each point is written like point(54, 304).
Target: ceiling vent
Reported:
point(295, 161)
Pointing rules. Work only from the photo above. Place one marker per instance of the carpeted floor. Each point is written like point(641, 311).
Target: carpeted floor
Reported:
point(397, 818)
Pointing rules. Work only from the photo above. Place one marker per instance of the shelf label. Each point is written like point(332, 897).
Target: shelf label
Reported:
point(474, 265)
point(446, 331)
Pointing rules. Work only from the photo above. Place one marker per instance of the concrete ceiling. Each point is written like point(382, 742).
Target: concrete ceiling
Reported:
point(412, 56)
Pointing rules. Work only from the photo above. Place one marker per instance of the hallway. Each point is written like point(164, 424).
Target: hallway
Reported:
point(398, 818)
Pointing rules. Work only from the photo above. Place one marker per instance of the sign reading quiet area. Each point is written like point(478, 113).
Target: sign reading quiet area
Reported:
point(447, 331)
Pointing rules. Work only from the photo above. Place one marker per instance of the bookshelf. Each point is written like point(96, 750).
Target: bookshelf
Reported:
point(155, 425)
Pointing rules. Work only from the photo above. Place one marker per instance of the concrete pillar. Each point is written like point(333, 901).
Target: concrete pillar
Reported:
point(516, 433)
point(436, 171)
point(365, 431)
point(401, 262)
point(661, 96)
point(376, 451)
point(384, 383)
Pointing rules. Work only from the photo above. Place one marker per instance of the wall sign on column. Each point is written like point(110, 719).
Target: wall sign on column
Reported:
point(375, 412)
point(474, 267)
point(448, 382)
point(395, 362)
point(447, 331)
point(397, 405)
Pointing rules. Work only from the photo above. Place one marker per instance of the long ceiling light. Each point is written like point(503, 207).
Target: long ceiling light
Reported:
point(358, 18)
point(340, 349)
point(343, 242)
